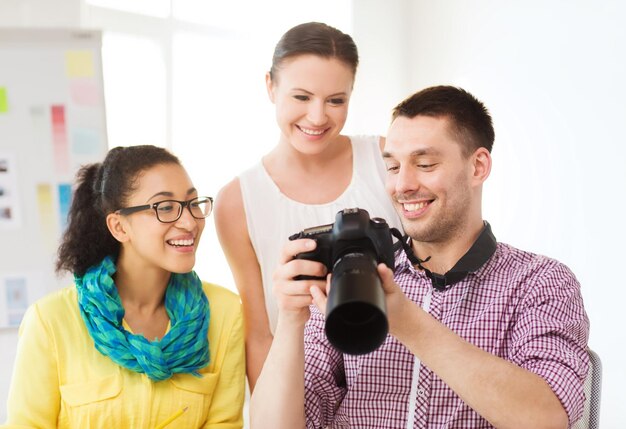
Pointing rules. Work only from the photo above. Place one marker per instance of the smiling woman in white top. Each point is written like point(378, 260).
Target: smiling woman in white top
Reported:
point(313, 172)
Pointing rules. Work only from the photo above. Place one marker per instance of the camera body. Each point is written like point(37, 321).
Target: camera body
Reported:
point(351, 248)
point(353, 230)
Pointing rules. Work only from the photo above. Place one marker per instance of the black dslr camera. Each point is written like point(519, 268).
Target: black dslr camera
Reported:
point(351, 248)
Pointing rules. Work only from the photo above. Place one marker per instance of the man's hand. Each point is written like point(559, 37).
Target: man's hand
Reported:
point(320, 295)
point(397, 303)
point(293, 296)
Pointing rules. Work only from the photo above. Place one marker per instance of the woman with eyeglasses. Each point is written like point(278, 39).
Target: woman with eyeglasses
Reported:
point(139, 341)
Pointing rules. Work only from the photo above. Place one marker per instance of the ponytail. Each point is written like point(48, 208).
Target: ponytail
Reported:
point(101, 189)
point(86, 240)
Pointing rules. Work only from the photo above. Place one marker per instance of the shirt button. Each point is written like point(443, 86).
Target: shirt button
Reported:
point(420, 392)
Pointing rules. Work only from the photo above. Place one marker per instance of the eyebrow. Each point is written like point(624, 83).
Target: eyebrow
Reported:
point(329, 96)
point(415, 153)
point(170, 194)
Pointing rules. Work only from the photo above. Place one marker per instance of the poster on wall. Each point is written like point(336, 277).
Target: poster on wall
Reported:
point(17, 292)
point(9, 193)
point(52, 121)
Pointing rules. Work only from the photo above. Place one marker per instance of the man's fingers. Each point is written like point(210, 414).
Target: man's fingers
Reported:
point(300, 267)
point(294, 302)
point(319, 298)
point(386, 276)
point(292, 248)
point(297, 287)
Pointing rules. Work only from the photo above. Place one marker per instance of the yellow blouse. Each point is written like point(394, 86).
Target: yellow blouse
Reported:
point(61, 380)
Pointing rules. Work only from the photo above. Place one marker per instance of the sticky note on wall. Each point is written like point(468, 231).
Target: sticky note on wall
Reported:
point(59, 138)
point(46, 215)
point(4, 100)
point(65, 201)
point(84, 92)
point(79, 63)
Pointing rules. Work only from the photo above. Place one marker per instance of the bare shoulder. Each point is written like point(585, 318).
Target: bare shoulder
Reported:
point(232, 232)
point(229, 211)
point(229, 197)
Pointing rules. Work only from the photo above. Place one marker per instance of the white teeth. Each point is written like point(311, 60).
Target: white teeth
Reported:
point(311, 132)
point(414, 206)
point(188, 242)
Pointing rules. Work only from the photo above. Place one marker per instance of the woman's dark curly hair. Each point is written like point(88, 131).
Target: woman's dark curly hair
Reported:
point(103, 188)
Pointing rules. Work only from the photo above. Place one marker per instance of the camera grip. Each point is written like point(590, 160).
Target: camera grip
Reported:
point(311, 256)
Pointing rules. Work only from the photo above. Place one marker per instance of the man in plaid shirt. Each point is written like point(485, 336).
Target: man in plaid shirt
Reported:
point(497, 340)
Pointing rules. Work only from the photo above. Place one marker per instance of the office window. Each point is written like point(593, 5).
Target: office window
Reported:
point(223, 14)
point(158, 8)
point(262, 17)
point(134, 76)
point(221, 116)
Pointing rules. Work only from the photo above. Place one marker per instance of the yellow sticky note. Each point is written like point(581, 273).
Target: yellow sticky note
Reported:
point(4, 101)
point(79, 63)
point(46, 214)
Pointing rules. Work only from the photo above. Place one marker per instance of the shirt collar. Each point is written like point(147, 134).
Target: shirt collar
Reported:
point(480, 252)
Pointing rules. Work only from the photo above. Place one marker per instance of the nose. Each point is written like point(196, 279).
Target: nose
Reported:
point(405, 181)
point(186, 220)
point(316, 113)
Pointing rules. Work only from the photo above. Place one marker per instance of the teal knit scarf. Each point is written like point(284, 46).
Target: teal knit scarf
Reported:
point(185, 348)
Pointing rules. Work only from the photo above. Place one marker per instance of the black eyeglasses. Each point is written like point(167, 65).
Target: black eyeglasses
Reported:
point(171, 210)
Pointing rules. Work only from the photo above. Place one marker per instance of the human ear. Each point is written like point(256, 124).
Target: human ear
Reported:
point(481, 161)
point(269, 85)
point(116, 227)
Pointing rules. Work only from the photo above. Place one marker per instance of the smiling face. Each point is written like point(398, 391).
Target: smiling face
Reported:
point(311, 95)
point(435, 188)
point(148, 243)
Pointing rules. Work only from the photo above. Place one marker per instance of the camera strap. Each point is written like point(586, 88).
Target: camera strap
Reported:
point(403, 243)
point(480, 252)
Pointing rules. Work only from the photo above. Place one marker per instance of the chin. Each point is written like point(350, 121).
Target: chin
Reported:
point(182, 268)
point(417, 234)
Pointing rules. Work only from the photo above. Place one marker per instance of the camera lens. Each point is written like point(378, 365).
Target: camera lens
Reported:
point(356, 314)
point(356, 321)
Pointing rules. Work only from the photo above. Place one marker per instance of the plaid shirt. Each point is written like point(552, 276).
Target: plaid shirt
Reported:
point(519, 306)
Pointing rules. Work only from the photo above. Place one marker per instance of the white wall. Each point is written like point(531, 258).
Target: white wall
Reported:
point(553, 76)
point(383, 77)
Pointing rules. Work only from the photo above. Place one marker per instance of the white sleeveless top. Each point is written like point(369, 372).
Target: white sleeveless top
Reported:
point(272, 217)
